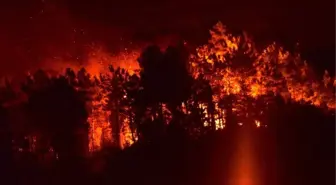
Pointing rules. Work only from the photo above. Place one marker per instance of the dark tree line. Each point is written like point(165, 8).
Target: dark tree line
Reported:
point(50, 113)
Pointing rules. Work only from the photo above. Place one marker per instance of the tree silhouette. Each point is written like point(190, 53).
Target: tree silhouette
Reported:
point(165, 80)
point(58, 111)
point(151, 74)
point(202, 94)
point(5, 136)
point(176, 77)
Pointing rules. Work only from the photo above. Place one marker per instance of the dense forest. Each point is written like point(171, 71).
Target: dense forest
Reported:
point(177, 96)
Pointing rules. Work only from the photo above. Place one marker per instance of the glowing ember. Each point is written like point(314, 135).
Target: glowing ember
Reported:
point(257, 123)
point(99, 60)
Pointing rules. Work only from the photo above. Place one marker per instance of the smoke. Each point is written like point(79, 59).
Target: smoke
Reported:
point(44, 34)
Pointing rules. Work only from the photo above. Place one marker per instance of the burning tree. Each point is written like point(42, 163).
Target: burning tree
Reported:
point(119, 105)
point(100, 128)
point(226, 82)
point(240, 75)
point(232, 82)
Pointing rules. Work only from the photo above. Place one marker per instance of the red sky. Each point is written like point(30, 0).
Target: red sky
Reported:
point(34, 29)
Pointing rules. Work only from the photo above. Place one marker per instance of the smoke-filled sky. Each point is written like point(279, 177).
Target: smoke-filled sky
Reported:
point(33, 30)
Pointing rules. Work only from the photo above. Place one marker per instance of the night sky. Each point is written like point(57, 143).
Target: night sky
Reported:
point(35, 29)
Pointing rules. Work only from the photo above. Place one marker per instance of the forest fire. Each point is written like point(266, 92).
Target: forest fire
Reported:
point(116, 92)
point(100, 128)
point(242, 80)
point(260, 75)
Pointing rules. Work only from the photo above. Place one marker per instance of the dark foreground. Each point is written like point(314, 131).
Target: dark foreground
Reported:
point(292, 152)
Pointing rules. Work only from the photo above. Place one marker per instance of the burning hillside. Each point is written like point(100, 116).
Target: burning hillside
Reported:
point(233, 81)
point(246, 79)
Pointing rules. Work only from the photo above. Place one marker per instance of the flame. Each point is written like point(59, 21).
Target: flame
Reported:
point(274, 71)
point(127, 137)
point(100, 127)
point(100, 59)
point(231, 64)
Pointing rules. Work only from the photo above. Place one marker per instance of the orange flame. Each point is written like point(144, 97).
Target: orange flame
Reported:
point(268, 72)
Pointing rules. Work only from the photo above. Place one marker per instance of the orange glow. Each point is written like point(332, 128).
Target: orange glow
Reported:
point(244, 168)
point(272, 71)
point(127, 138)
point(100, 128)
point(257, 123)
point(99, 60)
